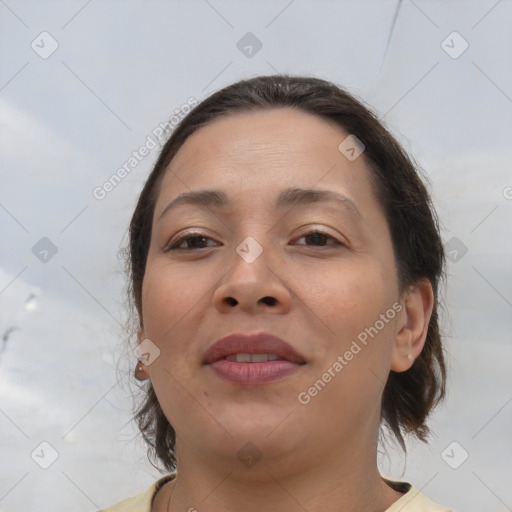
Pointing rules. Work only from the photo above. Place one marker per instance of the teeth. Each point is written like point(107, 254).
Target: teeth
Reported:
point(261, 358)
point(252, 358)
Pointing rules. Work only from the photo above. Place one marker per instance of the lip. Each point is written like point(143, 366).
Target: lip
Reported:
point(252, 343)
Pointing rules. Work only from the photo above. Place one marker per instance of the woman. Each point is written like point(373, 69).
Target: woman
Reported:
point(285, 260)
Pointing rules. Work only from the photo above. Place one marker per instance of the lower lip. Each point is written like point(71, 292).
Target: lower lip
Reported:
point(253, 373)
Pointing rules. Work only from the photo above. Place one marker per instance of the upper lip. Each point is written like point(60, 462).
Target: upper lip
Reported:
point(251, 343)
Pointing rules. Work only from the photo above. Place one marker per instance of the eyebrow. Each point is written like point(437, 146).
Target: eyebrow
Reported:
point(288, 197)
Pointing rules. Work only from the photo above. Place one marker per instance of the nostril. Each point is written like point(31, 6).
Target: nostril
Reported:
point(231, 301)
point(269, 300)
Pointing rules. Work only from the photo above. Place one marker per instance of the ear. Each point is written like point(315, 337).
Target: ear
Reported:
point(141, 372)
point(418, 302)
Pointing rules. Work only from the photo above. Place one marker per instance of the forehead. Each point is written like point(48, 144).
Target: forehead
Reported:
point(265, 149)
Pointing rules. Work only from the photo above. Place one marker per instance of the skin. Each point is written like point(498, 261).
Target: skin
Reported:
point(319, 456)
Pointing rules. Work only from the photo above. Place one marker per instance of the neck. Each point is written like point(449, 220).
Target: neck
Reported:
point(346, 480)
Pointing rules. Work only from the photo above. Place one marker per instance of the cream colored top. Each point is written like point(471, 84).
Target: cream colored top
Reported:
point(412, 501)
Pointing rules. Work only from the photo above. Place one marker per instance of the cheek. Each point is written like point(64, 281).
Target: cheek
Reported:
point(168, 302)
point(350, 299)
point(169, 308)
point(356, 305)
point(345, 384)
point(168, 298)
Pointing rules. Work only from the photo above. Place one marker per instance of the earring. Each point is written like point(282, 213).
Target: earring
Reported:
point(139, 368)
point(409, 356)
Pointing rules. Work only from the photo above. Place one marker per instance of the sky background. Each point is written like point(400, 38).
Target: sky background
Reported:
point(83, 84)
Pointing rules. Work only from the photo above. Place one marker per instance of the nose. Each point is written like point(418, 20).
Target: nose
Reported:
point(253, 286)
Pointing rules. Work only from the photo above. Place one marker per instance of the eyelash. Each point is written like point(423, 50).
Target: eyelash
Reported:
point(189, 236)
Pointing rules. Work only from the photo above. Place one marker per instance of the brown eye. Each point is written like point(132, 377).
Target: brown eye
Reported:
point(319, 238)
point(192, 241)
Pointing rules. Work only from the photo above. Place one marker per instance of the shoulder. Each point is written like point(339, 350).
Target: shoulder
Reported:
point(414, 501)
point(141, 502)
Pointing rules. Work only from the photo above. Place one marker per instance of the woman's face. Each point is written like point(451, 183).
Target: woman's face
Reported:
point(323, 294)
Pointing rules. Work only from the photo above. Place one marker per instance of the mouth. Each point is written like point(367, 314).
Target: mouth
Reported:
point(252, 358)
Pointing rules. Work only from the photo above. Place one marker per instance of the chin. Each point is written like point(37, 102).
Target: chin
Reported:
point(255, 419)
point(251, 450)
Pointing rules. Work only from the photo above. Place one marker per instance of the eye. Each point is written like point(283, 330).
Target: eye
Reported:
point(193, 241)
point(198, 240)
point(318, 237)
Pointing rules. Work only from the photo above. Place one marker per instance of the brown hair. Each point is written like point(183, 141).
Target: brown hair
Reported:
point(409, 396)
